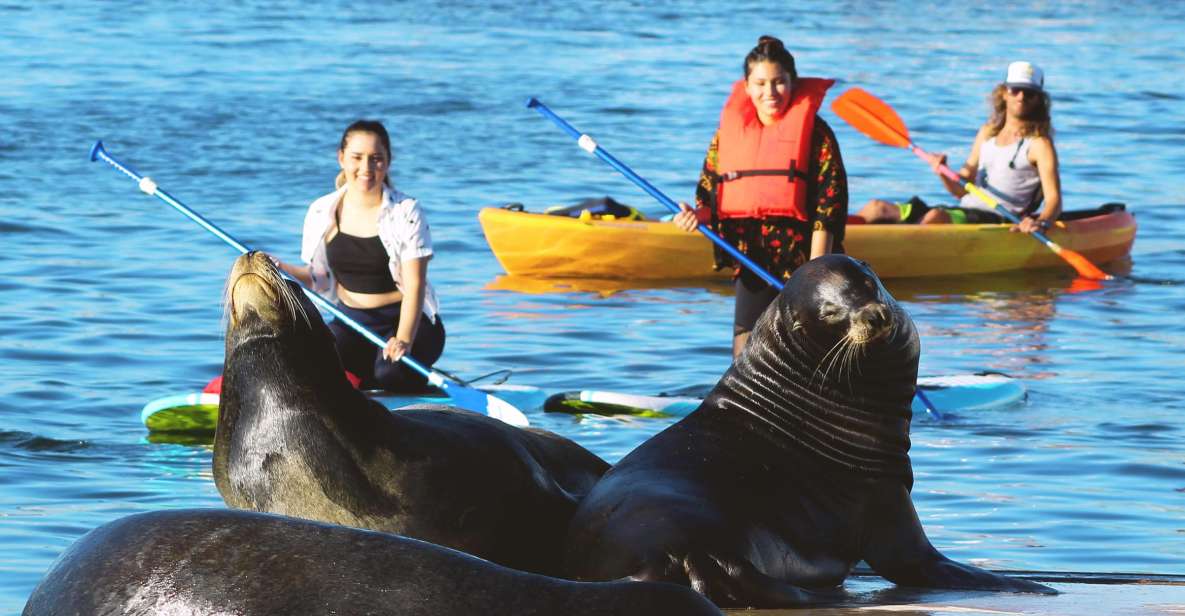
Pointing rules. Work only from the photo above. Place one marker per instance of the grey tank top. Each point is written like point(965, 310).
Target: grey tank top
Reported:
point(1006, 174)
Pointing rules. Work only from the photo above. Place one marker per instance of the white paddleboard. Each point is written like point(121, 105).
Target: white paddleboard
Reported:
point(951, 393)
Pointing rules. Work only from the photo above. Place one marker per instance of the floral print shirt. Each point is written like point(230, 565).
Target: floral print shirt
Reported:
point(781, 244)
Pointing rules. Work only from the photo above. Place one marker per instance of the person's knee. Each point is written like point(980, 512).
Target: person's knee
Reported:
point(879, 210)
point(936, 217)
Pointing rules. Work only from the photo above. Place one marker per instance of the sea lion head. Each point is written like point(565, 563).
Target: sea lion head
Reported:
point(837, 302)
point(274, 332)
point(833, 364)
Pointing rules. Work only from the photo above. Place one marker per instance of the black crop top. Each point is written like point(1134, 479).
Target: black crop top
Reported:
point(360, 263)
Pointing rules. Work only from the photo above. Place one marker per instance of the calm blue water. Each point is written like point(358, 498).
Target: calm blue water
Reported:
point(111, 299)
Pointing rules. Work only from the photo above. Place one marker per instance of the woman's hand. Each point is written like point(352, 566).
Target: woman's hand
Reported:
point(300, 273)
point(395, 349)
point(687, 219)
point(276, 262)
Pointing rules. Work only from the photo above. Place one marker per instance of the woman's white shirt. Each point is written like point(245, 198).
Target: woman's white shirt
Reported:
point(402, 230)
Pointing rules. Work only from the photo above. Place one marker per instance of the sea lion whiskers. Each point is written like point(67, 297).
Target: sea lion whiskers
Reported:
point(827, 358)
point(842, 354)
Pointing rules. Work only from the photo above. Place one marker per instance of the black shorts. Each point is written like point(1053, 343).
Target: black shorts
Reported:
point(914, 209)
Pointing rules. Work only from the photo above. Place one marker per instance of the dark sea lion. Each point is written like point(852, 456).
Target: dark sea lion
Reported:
point(295, 438)
point(793, 469)
point(235, 562)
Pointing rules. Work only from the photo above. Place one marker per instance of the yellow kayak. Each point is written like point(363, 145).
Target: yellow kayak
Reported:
point(552, 246)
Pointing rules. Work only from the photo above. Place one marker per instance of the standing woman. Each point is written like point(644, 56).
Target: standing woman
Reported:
point(773, 182)
point(369, 245)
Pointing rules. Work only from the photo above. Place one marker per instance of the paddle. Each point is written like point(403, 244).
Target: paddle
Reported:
point(589, 145)
point(464, 397)
point(876, 119)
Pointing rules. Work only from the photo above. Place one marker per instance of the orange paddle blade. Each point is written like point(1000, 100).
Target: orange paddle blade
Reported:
point(871, 116)
point(1083, 285)
point(1081, 264)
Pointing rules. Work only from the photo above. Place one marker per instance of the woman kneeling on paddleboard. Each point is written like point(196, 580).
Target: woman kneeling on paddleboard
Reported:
point(773, 182)
point(369, 244)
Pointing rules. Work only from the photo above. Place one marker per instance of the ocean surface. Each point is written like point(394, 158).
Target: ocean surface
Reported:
point(111, 299)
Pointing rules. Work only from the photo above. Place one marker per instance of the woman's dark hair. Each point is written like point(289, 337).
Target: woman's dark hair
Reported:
point(373, 127)
point(770, 49)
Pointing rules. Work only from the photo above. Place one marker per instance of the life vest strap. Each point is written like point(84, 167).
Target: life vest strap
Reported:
point(791, 173)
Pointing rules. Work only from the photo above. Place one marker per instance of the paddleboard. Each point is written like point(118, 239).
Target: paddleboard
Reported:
point(949, 393)
point(1079, 593)
point(197, 413)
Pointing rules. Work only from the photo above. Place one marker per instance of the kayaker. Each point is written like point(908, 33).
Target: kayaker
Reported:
point(368, 244)
point(773, 182)
point(1012, 158)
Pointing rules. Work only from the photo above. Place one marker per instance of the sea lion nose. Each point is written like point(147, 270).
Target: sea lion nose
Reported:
point(875, 316)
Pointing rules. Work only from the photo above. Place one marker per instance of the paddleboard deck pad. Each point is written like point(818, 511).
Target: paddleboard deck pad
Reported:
point(951, 393)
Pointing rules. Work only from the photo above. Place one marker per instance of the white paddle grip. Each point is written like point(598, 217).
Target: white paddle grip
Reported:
point(147, 185)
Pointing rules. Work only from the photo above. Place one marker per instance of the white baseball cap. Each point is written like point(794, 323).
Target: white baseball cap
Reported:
point(1025, 75)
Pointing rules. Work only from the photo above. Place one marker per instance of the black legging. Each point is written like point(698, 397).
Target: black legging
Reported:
point(754, 295)
point(365, 360)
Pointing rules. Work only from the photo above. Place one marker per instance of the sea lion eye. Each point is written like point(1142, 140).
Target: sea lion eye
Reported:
point(830, 312)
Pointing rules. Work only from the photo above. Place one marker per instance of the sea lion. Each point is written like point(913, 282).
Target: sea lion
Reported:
point(295, 438)
point(793, 469)
point(216, 561)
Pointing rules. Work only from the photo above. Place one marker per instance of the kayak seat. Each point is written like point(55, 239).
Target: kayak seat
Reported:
point(1105, 208)
point(605, 208)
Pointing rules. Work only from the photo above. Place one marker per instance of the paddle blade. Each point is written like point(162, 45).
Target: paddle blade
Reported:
point(1084, 285)
point(486, 404)
point(1082, 265)
point(871, 116)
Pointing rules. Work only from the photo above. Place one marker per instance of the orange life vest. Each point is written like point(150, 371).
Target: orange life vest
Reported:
point(763, 169)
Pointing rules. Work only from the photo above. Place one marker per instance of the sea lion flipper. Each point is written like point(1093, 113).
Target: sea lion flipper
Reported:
point(896, 547)
point(736, 582)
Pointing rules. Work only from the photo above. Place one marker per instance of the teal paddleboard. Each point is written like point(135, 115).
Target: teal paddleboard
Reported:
point(951, 393)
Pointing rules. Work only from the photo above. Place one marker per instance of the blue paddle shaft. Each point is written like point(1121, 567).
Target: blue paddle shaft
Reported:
point(149, 187)
point(589, 145)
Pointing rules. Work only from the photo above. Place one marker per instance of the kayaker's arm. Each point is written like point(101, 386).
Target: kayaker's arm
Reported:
point(414, 273)
point(1043, 156)
point(967, 172)
point(821, 243)
point(705, 194)
point(829, 192)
